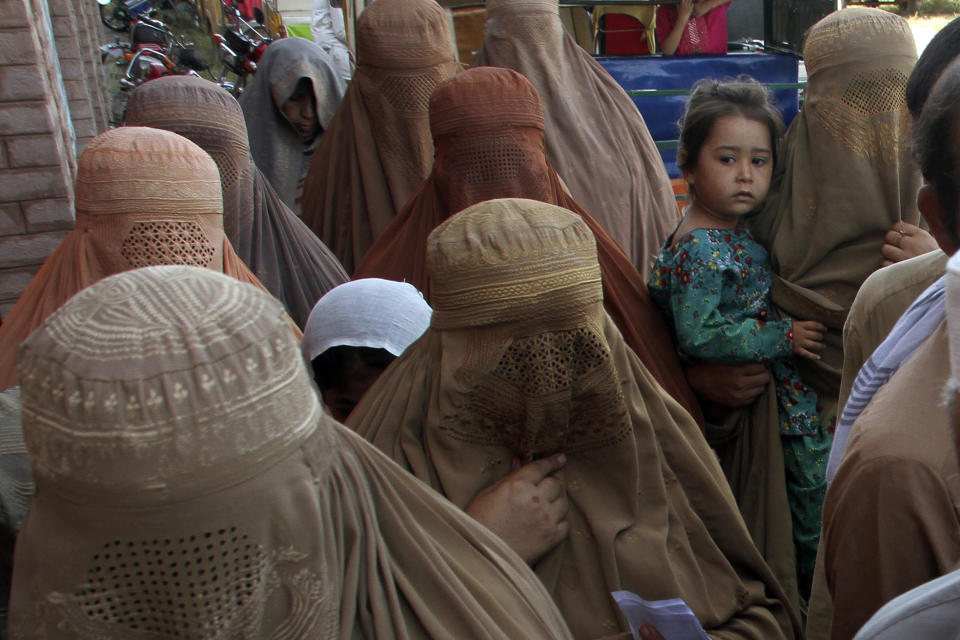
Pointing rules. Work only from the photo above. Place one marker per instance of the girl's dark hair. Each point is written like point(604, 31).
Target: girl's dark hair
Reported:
point(942, 49)
point(331, 367)
point(714, 99)
point(935, 142)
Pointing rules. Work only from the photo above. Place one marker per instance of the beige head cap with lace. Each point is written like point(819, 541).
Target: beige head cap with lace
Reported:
point(511, 260)
point(146, 377)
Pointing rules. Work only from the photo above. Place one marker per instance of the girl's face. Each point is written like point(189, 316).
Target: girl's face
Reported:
point(302, 114)
point(731, 176)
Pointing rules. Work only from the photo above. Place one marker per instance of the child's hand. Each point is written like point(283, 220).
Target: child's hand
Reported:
point(685, 10)
point(808, 338)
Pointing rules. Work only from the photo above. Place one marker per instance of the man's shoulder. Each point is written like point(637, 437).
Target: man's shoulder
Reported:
point(906, 419)
point(890, 290)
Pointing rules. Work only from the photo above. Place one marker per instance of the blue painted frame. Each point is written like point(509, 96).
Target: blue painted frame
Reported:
point(659, 86)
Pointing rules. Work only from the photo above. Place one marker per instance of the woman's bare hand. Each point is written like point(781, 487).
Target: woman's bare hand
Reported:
point(904, 241)
point(527, 509)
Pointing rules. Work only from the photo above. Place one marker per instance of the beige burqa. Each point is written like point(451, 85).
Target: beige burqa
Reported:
point(143, 197)
point(275, 144)
point(596, 138)
point(378, 148)
point(846, 177)
point(285, 255)
point(189, 485)
point(520, 362)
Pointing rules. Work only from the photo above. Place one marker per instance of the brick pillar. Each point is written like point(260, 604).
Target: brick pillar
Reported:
point(37, 139)
point(92, 35)
point(72, 45)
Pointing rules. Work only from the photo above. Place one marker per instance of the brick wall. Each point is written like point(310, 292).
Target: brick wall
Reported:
point(52, 102)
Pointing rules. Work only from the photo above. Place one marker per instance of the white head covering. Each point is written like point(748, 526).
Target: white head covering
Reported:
point(370, 312)
point(953, 316)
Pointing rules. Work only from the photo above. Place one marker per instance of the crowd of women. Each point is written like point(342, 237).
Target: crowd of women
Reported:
point(430, 352)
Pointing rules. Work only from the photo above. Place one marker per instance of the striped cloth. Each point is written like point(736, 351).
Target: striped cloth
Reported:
point(913, 327)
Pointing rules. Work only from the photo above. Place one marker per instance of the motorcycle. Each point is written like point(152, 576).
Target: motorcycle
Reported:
point(241, 46)
point(153, 52)
point(118, 15)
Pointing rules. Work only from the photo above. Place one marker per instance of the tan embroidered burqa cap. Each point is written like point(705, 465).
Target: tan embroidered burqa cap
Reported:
point(378, 148)
point(846, 177)
point(143, 197)
point(488, 131)
point(596, 138)
point(189, 485)
point(285, 255)
point(275, 144)
point(521, 361)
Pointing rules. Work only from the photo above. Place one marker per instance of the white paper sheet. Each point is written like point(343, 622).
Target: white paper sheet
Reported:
point(672, 618)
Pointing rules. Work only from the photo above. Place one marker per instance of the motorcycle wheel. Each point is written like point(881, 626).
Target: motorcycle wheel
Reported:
point(114, 16)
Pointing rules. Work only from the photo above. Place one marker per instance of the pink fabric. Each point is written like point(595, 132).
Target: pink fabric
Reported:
point(706, 34)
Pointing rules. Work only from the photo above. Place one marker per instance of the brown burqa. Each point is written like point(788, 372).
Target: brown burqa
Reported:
point(846, 177)
point(488, 130)
point(596, 138)
point(377, 149)
point(522, 362)
point(143, 197)
point(189, 485)
point(285, 255)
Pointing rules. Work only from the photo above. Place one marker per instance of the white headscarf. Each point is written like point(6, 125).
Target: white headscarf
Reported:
point(375, 313)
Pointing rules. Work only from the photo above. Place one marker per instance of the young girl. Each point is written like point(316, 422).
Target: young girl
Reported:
point(713, 280)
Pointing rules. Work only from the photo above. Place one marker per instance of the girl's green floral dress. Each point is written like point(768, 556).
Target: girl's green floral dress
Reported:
point(715, 286)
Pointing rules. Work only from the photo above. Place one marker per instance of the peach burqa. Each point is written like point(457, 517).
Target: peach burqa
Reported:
point(521, 362)
point(143, 197)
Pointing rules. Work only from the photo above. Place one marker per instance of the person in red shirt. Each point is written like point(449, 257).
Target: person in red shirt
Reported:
point(691, 27)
